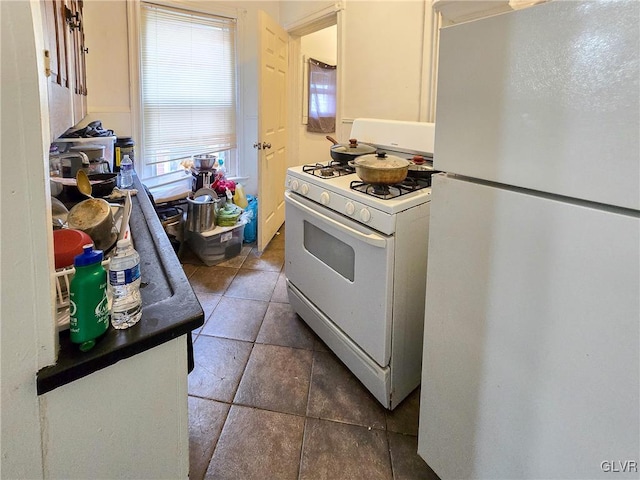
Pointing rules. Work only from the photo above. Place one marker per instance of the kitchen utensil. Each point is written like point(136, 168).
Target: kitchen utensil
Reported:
point(83, 184)
point(344, 153)
point(172, 220)
point(94, 217)
point(59, 213)
point(205, 161)
point(71, 162)
point(126, 214)
point(380, 169)
point(67, 243)
point(421, 171)
point(102, 183)
point(202, 210)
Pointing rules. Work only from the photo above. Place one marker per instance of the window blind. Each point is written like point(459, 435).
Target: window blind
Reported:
point(188, 83)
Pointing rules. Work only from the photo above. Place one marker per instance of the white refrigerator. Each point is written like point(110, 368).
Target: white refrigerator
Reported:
point(531, 364)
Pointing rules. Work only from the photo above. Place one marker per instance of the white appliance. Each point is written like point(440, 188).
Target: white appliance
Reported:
point(531, 346)
point(356, 262)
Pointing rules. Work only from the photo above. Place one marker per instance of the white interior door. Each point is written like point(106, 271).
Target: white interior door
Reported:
point(272, 128)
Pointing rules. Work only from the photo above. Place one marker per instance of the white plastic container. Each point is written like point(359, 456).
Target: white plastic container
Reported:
point(217, 245)
point(64, 144)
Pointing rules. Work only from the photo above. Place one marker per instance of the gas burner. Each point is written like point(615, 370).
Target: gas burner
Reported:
point(387, 192)
point(331, 170)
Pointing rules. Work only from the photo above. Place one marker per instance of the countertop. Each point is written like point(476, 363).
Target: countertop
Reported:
point(170, 308)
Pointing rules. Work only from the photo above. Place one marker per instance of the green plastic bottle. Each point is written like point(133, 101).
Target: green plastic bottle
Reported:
point(88, 303)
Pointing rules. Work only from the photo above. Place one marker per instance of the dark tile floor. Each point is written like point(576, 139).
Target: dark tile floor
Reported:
point(268, 400)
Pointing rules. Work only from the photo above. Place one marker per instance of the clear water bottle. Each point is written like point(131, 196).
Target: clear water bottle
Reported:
point(126, 172)
point(124, 283)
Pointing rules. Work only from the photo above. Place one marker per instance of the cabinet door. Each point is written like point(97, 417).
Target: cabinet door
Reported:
point(56, 42)
point(77, 60)
point(64, 40)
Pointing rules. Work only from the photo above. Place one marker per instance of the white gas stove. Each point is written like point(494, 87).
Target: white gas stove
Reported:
point(337, 194)
point(356, 259)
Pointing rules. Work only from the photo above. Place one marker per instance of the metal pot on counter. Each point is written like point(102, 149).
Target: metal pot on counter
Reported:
point(202, 210)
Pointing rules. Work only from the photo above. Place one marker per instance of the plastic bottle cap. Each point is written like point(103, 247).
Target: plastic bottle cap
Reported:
point(88, 257)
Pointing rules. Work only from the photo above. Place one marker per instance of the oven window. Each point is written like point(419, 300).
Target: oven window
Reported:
point(330, 250)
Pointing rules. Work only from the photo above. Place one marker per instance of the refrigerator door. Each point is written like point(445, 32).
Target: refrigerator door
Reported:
point(531, 363)
point(545, 98)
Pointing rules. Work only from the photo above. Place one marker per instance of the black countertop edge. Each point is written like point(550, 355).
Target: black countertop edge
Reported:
point(170, 307)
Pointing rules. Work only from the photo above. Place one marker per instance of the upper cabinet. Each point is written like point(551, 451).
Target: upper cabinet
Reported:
point(65, 51)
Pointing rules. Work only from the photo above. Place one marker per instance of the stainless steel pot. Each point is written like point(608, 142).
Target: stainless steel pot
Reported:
point(94, 217)
point(380, 169)
point(205, 161)
point(202, 210)
point(172, 220)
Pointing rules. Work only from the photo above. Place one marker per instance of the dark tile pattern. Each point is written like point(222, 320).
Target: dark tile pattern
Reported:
point(335, 451)
point(268, 399)
point(407, 465)
point(256, 445)
point(236, 318)
point(206, 419)
point(219, 364)
point(276, 378)
point(339, 396)
point(252, 284)
point(282, 326)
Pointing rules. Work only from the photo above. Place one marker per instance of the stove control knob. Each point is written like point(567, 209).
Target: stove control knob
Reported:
point(324, 198)
point(350, 208)
point(304, 189)
point(365, 215)
point(295, 185)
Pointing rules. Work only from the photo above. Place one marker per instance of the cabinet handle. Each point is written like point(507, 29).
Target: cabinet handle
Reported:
point(73, 19)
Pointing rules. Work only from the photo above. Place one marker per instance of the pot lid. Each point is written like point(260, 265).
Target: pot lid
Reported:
point(381, 161)
point(353, 147)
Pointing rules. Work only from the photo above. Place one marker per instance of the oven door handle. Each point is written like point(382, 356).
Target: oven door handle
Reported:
point(371, 239)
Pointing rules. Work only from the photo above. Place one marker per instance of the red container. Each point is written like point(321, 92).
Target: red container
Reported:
point(67, 243)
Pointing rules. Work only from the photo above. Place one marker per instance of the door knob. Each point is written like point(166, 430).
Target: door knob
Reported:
point(257, 145)
point(266, 145)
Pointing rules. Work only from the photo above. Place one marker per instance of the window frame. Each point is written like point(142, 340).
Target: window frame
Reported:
point(177, 179)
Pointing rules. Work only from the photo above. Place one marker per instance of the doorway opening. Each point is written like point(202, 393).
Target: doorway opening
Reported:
point(318, 40)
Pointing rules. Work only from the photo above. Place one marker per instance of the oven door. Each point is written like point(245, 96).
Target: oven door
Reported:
point(345, 269)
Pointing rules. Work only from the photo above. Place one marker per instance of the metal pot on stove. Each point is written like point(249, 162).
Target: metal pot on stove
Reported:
point(381, 169)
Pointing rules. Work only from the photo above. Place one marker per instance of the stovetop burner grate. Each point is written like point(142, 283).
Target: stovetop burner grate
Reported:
point(330, 170)
point(387, 192)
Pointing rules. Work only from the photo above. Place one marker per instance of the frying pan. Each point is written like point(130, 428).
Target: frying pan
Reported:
point(418, 168)
point(345, 152)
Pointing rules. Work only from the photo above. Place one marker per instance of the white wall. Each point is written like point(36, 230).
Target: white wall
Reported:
point(382, 62)
point(28, 334)
point(314, 147)
point(298, 12)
